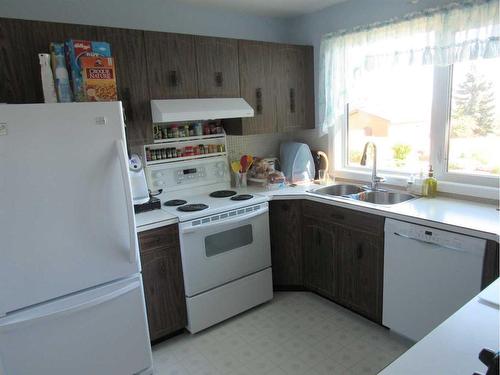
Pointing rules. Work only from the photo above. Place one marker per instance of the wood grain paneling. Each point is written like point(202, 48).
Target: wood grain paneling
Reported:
point(345, 217)
point(286, 243)
point(490, 264)
point(257, 87)
point(289, 75)
point(171, 60)
point(359, 272)
point(129, 53)
point(319, 241)
point(217, 64)
point(163, 280)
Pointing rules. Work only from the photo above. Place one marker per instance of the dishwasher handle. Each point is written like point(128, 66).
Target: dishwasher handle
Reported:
point(430, 242)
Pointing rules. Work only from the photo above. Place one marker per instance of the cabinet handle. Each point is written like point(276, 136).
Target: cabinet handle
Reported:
point(258, 100)
point(292, 100)
point(218, 79)
point(360, 251)
point(173, 78)
point(337, 216)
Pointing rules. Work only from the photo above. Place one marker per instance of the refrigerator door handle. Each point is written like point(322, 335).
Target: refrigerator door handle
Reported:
point(28, 318)
point(122, 157)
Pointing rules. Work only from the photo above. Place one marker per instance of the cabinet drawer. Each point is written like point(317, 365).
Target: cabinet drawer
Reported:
point(344, 216)
point(163, 237)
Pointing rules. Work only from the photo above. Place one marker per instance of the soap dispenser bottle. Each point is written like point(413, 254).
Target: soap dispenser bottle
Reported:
point(429, 185)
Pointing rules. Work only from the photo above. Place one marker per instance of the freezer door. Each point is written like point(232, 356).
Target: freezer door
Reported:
point(66, 214)
point(100, 331)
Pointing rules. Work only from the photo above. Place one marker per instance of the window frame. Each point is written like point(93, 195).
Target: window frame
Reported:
point(439, 146)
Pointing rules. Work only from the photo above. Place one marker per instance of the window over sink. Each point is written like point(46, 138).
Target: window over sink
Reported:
point(425, 89)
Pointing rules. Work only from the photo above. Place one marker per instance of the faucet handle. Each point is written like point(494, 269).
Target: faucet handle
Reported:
point(379, 179)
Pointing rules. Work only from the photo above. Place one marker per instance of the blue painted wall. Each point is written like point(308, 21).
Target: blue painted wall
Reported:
point(160, 15)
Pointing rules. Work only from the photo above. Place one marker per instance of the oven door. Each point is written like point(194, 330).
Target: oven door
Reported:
point(224, 247)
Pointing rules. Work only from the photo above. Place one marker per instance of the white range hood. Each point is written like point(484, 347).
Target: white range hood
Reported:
point(169, 110)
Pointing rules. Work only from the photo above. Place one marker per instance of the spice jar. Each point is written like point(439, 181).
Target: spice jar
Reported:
point(206, 129)
point(175, 131)
point(198, 129)
point(179, 153)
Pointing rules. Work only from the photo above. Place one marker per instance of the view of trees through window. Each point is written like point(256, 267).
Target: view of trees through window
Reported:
point(392, 108)
point(474, 136)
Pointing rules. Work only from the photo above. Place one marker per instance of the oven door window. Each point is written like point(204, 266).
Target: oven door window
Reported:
point(228, 240)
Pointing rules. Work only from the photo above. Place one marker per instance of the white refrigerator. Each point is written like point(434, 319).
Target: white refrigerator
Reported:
point(71, 295)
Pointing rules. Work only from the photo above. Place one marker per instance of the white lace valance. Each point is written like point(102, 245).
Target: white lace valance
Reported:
point(460, 32)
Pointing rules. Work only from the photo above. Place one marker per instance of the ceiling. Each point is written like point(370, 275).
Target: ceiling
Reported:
point(273, 8)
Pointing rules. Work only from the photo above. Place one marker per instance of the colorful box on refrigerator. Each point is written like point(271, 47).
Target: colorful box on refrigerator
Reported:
point(75, 50)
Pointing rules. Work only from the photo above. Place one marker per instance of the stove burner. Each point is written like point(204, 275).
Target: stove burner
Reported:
point(222, 193)
point(175, 202)
point(192, 207)
point(241, 197)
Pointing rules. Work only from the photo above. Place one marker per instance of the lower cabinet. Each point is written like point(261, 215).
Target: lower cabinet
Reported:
point(286, 244)
point(163, 281)
point(342, 253)
point(319, 239)
point(359, 272)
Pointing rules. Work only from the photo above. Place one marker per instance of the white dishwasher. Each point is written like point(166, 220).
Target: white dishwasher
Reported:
point(428, 275)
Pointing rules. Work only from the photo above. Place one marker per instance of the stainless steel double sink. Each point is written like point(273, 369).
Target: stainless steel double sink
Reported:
point(364, 194)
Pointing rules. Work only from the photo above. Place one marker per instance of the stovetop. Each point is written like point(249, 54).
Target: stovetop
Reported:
point(215, 205)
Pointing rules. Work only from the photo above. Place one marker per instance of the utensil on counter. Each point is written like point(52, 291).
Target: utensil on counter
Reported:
point(235, 166)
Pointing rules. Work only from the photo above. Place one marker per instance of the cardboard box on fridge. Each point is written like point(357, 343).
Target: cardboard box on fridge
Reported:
point(99, 80)
point(75, 50)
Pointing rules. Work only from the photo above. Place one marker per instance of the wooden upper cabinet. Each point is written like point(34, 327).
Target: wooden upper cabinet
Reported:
point(294, 82)
point(256, 86)
point(128, 50)
point(217, 63)
point(20, 43)
point(171, 61)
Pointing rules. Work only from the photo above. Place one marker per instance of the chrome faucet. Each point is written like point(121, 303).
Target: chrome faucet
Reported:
point(375, 178)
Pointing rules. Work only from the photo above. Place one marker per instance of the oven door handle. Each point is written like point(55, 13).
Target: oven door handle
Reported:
point(192, 229)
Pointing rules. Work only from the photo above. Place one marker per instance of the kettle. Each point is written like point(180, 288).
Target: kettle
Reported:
point(140, 192)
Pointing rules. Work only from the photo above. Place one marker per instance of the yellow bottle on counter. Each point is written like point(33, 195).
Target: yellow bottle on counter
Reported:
point(429, 185)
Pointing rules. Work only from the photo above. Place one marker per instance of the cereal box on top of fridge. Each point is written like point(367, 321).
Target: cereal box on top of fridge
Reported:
point(75, 50)
point(99, 79)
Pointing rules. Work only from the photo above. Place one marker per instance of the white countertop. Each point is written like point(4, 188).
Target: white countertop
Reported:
point(453, 347)
point(153, 219)
point(467, 217)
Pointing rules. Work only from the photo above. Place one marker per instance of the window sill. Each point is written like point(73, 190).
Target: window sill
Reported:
point(400, 181)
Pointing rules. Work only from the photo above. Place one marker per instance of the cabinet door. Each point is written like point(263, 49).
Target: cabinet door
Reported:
point(217, 63)
point(319, 248)
point(294, 82)
point(20, 43)
point(163, 280)
point(257, 87)
point(359, 270)
point(286, 243)
point(171, 61)
point(127, 48)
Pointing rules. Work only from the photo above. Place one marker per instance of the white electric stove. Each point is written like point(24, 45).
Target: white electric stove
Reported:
point(224, 237)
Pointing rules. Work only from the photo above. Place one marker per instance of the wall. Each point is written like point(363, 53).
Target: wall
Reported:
point(309, 29)
point(159, 15)
point(172, 16)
